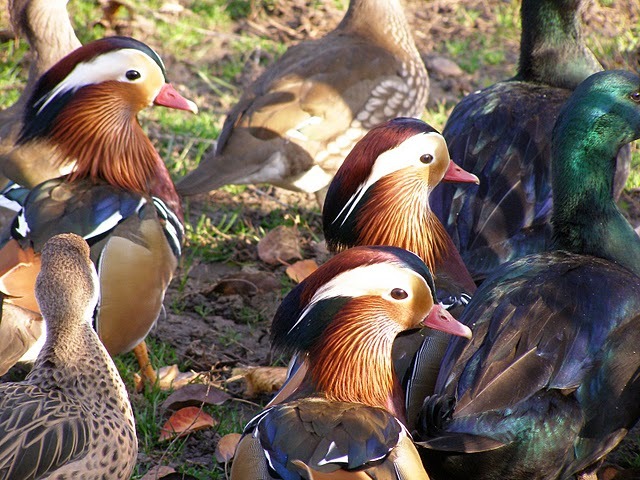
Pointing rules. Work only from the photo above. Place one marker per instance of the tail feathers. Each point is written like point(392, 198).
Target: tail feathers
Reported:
point(433, 430)
point(436, 412)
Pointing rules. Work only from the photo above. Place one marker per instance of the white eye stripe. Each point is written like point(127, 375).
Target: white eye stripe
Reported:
point(405, 155)
point(108, 66)
point(376, 279)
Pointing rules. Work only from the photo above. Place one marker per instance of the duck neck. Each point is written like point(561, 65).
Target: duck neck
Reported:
point(552, 50)
point(384, 22)
point(352, 362)
point(585, 219)
point(111, 146)
point(386, 217)
point(73, 358)
point(46, 26)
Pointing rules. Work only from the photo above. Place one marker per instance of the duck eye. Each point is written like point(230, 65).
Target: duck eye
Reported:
point(635, 96)
point(132, 75)
point(427, 158)
point(399, 294)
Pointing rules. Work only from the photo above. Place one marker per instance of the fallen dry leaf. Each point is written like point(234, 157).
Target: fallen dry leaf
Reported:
point(157, 472)
point(279, 246)
point(260, 380)
point(301, 270)
point(195, 395)
point(185, 421)
point(247, 284)
point(226, 447)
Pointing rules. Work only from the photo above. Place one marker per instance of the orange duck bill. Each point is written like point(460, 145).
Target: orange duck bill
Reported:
point(440, 319)
point(455, 173)
point(170, 98)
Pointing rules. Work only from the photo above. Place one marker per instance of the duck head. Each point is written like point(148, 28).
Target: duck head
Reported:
point(600, 117)
point(346, 315)
point(86, 105)
point(380, 195)
point(67, 285)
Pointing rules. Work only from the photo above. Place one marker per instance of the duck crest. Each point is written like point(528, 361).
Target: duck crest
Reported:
point(360, 345)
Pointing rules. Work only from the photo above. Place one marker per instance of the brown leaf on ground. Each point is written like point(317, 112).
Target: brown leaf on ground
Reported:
point(169, 377)
point(615, 473)
point(301, 270)
point(195, 395)
point(247, 284)
point(185, 421)
point(157, 472)
point(279, 246)
point(226, 447)
point(260, 380)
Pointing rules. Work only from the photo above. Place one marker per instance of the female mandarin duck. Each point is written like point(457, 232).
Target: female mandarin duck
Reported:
point(294, 125)
point(46, 26)
point(380, 196)
point(71, 416)
point(119, 196)
point(343, 421)
point(502, 134)
point(549, 384)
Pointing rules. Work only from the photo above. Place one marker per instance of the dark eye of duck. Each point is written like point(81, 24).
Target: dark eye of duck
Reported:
point(427, 158)
point(132, 75)
point(399, 294)
point(635, 96)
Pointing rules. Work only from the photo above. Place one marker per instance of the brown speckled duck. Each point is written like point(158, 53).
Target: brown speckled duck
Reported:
point(71, 416)
point(344, 420)
point(46, 26)
point(295, 124)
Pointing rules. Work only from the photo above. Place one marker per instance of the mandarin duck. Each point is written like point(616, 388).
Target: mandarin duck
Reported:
point(119, 196)
point(343, 420)
point(549, 383)
point(46, 26)
point(380, 196)
point(71, 416)
point(502, 134)
point(295, 124)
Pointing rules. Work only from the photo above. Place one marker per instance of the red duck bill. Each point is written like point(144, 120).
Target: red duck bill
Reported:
point(455, 173)
point(440, 319)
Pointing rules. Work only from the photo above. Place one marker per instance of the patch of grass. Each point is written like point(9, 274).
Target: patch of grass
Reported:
point(437, 117)
point(634, 176)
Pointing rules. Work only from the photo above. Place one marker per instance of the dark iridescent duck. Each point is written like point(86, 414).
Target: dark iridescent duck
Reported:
point(502, 134)
point(549, 383)
point(71, 416)
point(342, 422)
point(380, 196)
point(119, 197)
point(46, 26)
point(295, 124)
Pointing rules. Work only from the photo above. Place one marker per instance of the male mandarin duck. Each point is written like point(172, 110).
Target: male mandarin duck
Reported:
point(380, 196)
point(344, 419)
point(119, 196)
point(295, 124)
point(502, 134)
point(46, 26)
point(549, 383)
point(71, 416)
